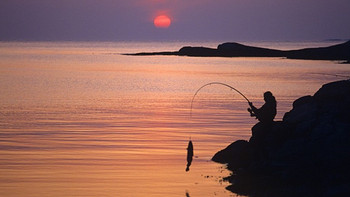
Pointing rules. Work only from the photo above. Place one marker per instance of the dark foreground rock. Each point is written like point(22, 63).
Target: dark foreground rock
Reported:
point(340, 52)
point(306, 154)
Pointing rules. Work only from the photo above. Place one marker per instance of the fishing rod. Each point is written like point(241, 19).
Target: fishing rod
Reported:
point(217, 83)
point(190, 144)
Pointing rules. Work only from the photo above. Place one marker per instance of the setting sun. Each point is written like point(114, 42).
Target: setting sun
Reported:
point(162, 21)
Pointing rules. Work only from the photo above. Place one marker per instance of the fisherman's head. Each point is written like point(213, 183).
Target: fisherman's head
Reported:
point(268, 97)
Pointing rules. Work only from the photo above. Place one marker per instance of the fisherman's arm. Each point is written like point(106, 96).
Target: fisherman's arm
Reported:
point(254, 109)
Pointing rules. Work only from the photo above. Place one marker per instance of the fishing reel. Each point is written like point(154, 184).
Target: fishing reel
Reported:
point(251, 112)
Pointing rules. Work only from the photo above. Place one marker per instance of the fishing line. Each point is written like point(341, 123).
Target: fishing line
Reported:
point(190, 144)
point(217, 83)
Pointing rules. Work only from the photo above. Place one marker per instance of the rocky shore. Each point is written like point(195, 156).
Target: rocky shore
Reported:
point(305, 154)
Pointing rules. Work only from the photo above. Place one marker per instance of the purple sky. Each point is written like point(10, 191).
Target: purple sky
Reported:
point(197, 20)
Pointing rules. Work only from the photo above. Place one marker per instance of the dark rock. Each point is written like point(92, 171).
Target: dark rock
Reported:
point(340, 52)
point(302, 101)
point(335, 91)
point(153, 53)
point(238, 154)
point(233, 49)
point(335, 52)
point(306, 154)
point(198, 51)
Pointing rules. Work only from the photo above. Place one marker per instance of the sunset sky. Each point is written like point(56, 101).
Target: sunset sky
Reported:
point(194, 20)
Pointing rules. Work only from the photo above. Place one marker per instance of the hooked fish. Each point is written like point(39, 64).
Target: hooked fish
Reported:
point(189, 155)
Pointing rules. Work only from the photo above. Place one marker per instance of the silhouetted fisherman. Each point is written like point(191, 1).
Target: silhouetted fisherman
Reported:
point(189, 155)
point(267, 112)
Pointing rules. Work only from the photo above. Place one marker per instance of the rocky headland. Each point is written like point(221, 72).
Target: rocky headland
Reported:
point(339, 52)
point(305, 154)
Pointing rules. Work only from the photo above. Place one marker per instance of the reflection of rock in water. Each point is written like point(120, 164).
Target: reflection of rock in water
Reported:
point(189, 155)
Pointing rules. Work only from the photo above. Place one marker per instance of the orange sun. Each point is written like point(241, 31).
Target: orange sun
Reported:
point(162, 21)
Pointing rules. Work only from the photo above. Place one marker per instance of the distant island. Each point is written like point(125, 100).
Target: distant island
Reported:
point(339, 52)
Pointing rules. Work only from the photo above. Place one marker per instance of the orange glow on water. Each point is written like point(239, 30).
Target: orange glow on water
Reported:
point(162, 21)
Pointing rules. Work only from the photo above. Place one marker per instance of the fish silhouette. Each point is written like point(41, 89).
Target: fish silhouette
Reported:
point(189, 155)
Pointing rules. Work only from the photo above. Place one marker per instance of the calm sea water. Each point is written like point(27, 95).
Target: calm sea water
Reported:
point(80, 119)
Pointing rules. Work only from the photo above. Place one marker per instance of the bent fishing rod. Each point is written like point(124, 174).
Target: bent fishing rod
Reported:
point(217, 83)
point(190, 144)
